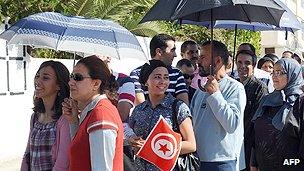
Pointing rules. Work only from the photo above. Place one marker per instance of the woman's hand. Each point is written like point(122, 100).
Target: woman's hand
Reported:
point(70, 110)
point(136, 143)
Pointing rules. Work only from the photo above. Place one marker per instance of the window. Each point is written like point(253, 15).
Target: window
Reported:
point(270, 50)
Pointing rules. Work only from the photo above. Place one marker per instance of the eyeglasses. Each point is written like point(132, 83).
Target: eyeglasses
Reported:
point(278, 73)
point(187, 76)
point(77, 76)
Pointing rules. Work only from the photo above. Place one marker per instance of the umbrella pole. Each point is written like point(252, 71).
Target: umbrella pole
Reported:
point(212, 54)
point(234, 46)
point(74, 59)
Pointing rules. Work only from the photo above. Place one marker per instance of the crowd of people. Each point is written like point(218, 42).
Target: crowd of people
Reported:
point(246, 119)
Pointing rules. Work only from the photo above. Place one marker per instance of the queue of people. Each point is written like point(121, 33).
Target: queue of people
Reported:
point(84, 120)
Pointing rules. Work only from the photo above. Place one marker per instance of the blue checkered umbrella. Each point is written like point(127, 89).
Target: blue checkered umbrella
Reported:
point(74, 34)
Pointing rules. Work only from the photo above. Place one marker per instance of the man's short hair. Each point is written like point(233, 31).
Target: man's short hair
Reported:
point(159, 41)
point(250, 53)
point(183, 62)
point(287, 51)
point(219, 49)
point(252, 48)
point(186, 44)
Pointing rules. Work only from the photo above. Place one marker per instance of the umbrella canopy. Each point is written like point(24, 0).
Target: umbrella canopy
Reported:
point(288, 22)
point(74, 34)
point(265, 11)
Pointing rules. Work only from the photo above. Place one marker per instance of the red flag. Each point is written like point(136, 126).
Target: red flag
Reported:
point(162, 146)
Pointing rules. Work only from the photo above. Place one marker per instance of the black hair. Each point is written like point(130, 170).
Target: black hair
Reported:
point(183, 62)
point(274, 57)
point(186, 44)
point(219, 49)
point(250, 53)
point(159, 41)
point(99, 70)
point(252, 48)
point(263, 60)
point(62, 76)
point(148, 68)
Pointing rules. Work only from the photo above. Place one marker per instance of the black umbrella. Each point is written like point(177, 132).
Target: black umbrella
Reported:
point(264, 11)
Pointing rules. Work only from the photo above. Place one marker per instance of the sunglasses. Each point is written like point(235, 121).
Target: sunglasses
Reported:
point(77, 76)
point(187, 76)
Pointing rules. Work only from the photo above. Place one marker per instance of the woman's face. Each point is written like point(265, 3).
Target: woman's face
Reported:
point(279, 77)
point(45, 83)
point(82, 86)
point(158, 81)
point(267, 66)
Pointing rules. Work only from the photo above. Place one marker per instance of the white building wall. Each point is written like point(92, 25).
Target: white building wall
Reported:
point(276, 39)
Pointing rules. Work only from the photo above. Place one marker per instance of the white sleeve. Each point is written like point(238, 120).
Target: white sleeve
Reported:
point(102, 149)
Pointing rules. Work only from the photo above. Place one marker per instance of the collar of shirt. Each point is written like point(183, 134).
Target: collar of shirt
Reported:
point(90, 107)
point(166, 102)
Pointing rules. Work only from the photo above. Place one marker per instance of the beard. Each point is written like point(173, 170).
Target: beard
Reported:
point(204, 72)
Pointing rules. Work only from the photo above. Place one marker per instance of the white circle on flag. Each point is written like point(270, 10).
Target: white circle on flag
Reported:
point(164, 145)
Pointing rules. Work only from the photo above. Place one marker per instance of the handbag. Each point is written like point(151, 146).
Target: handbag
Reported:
point(185, 162)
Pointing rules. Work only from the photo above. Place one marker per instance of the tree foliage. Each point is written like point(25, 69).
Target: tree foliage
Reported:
point(128, 13)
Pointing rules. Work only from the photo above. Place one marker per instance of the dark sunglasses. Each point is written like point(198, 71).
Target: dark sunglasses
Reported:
point(187, 76)
point(77, 76)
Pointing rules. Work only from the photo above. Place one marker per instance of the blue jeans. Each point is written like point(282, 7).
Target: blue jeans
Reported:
point(219, 166)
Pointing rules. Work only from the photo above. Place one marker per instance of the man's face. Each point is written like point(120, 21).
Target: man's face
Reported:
point(204, 61)
point(168, 54)
point(244, 66)
point(188, 73)
point(191, 53)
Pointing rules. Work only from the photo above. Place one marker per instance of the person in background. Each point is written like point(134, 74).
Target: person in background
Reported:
point(298, 58)
point(190, 51)
point(47, 147)
point(267, 62)
point(95, 123)
point(126, 91)
point(162, 47)
point(217, 113)
point(187, 69)
point(255, 90)
point(278, 128)
point(287, 54)
point(155, 76)
point(264, 76)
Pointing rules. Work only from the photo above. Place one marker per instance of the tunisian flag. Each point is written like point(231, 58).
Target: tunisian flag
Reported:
point(162, 146)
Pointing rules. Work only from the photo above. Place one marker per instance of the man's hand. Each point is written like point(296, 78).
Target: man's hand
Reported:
point(212, 85)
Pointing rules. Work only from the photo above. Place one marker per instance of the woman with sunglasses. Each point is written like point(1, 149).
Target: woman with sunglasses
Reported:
point(48, 142)
point(96, 126)
point(278, 122)
point(145, 116)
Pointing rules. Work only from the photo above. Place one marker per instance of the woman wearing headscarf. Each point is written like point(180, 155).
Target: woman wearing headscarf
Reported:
point(145, 116)
point(278, 122)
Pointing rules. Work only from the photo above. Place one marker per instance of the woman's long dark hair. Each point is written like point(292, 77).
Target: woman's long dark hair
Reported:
point(99, 70)
point(62, 75)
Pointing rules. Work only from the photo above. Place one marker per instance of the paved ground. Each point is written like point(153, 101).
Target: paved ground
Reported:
point(10, 165)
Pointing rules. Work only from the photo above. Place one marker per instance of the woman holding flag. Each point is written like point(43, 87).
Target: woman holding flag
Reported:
point(145, 116)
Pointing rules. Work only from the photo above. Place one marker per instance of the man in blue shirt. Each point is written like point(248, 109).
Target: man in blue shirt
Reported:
point(218, 112)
